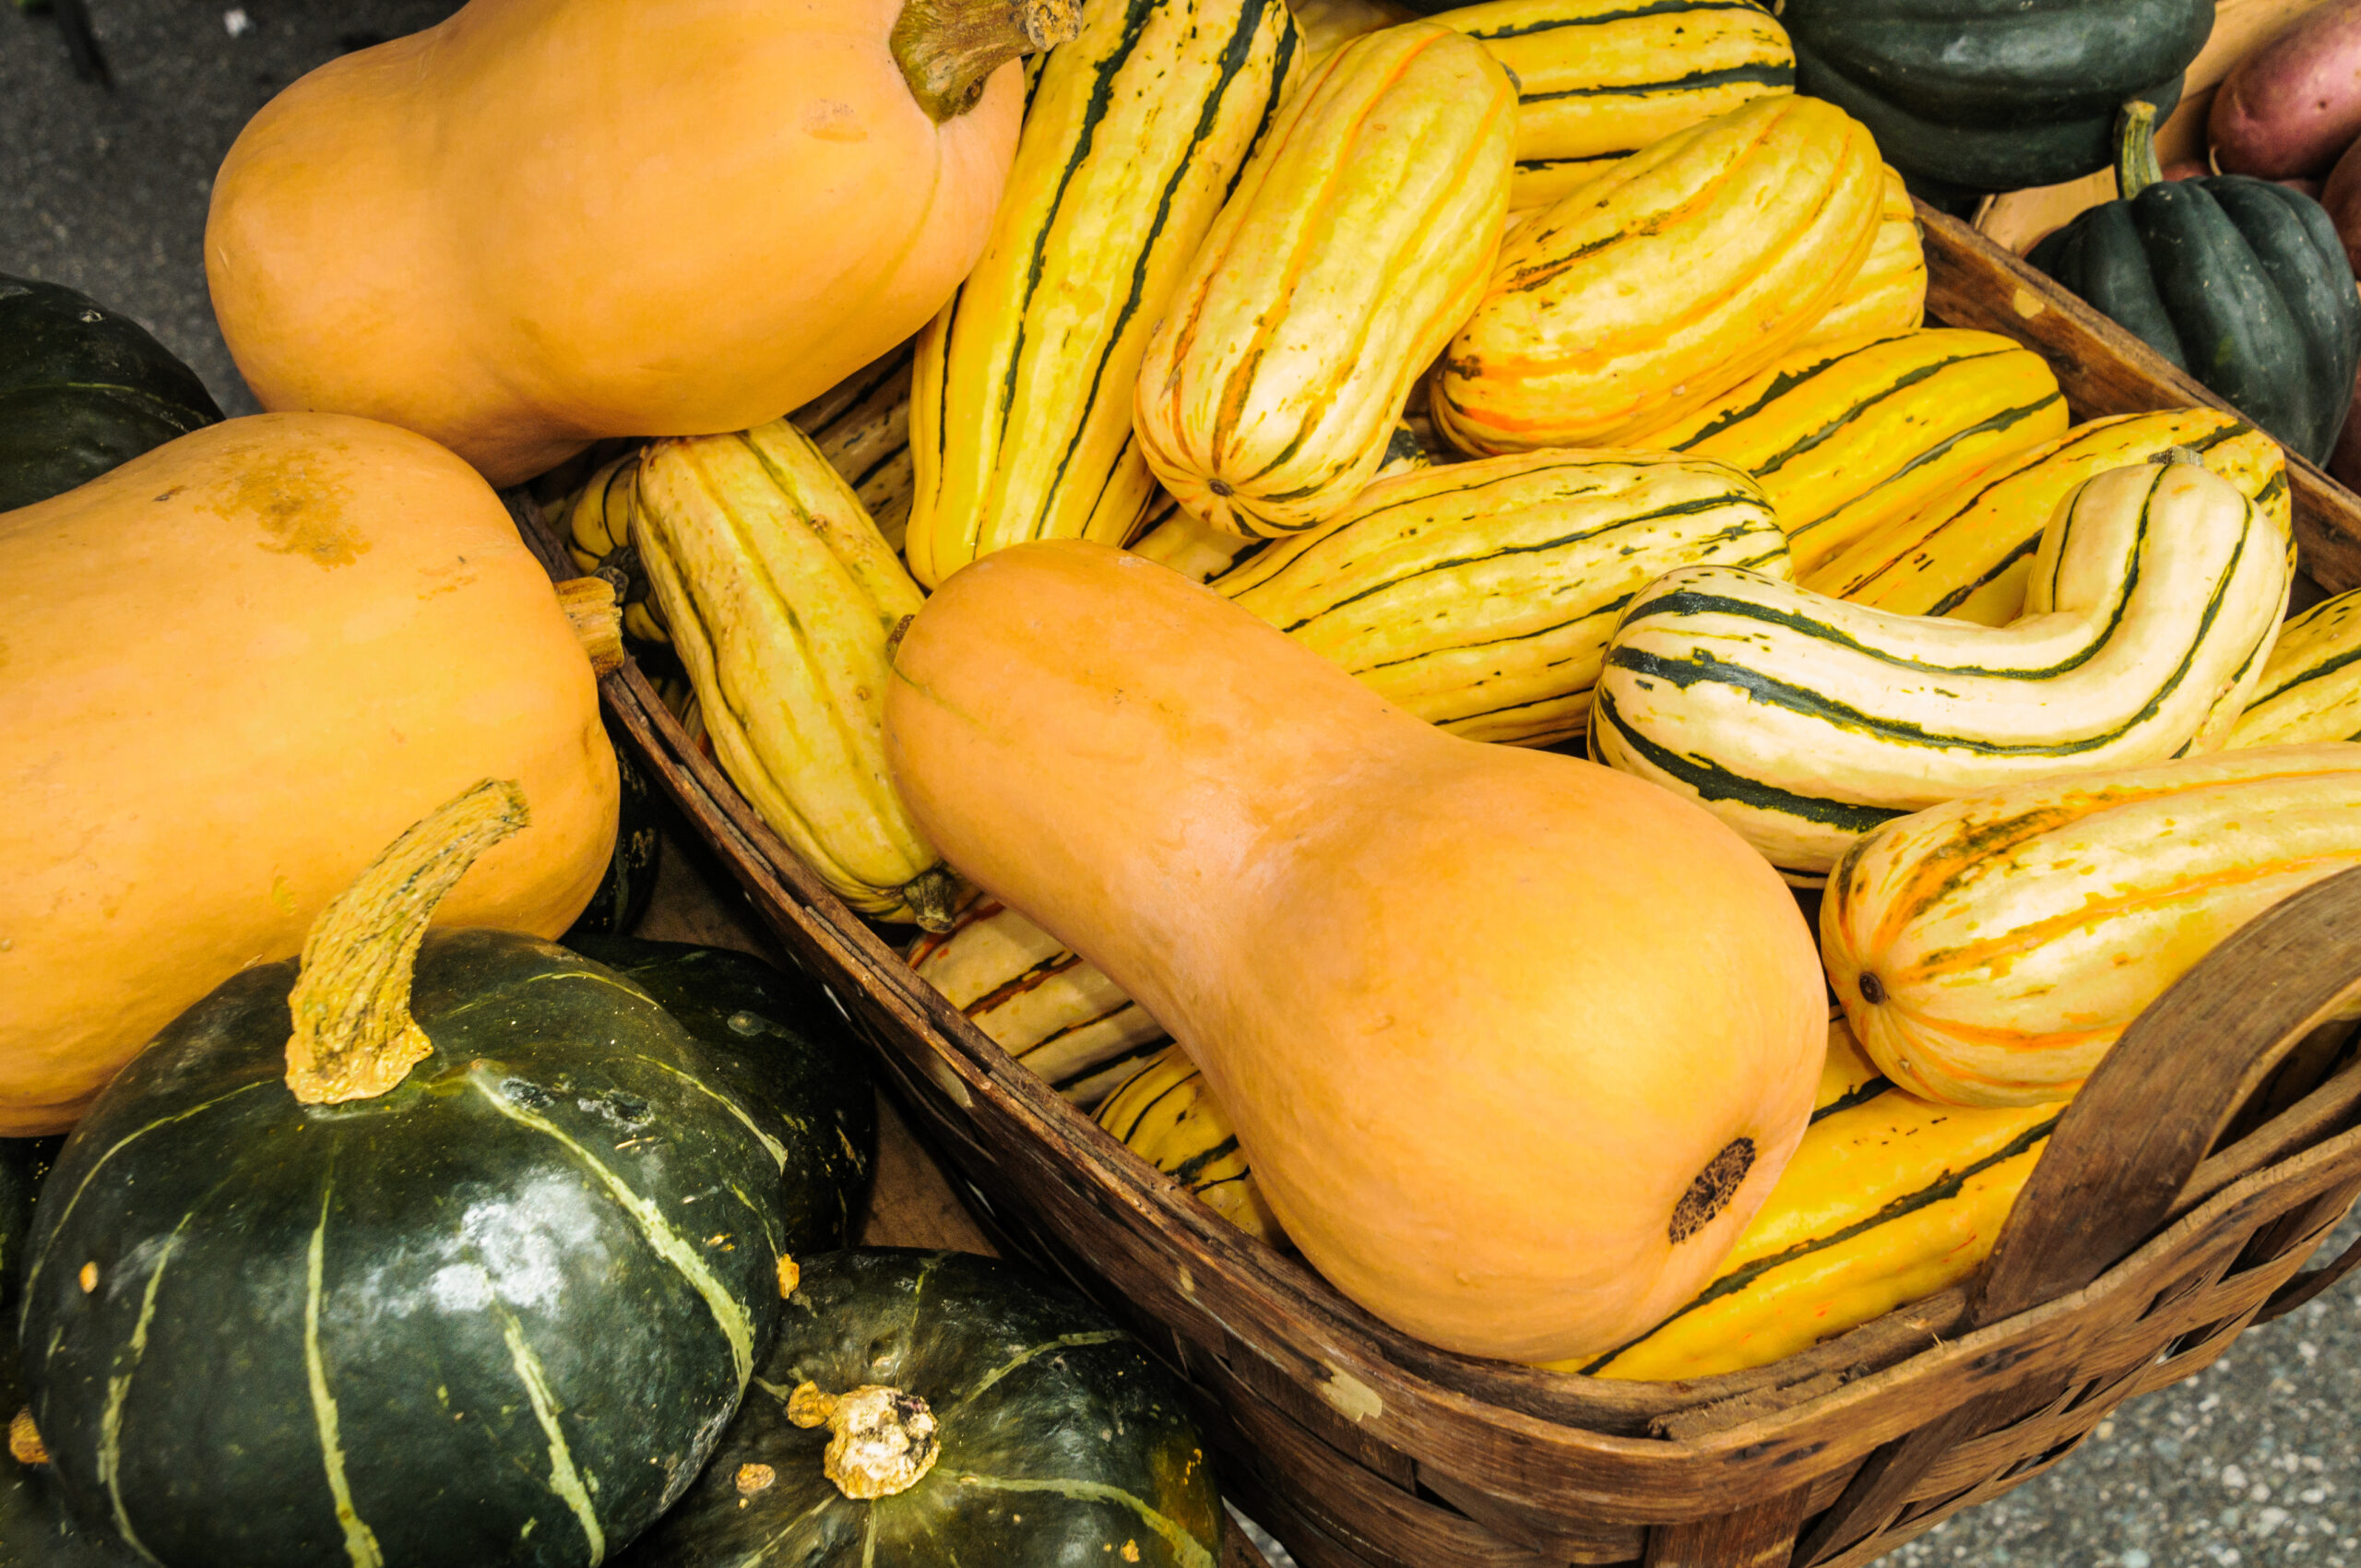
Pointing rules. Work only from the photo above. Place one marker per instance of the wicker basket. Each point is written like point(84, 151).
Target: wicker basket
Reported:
point(2176, 1201)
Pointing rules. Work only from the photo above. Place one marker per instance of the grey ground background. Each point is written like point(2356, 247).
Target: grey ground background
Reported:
point(2257, 1462)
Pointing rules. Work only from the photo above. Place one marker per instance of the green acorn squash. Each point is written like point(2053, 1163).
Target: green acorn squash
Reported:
point(1010, 1424)
point(1969, 96)
point(82, 390)
point(2241, 283)
point(473, 1268)
point(783, 1049)
point(624, 893)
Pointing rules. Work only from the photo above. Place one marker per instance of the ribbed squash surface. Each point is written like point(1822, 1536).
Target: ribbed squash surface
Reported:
point(863, 426)
point(1036, 1001)
point(1845, 438)
point(2310, 688)
point(1666, 281)
point(1167, 1116)
point(1479, 596)
point(1989, 951)
point(781, 595)
point(596, 522)
point(1201, 551)
point(1361, 236)
point(1888, 1199)
point(1968, 554)
point(1021, 406)
point(1804, 722)
point(1889, 294)
point(1598, 80)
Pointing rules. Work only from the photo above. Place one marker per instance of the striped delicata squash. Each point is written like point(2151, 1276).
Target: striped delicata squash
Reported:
point(1598, 80)
point(1888, 1199)
point(1201, 551)
point(1479, 596)
point(595, 522)
point(1361, 236)
point(1889, 294)
point(1845, 437)
point(1804, 722)
point(1666, 281)
point(863, 426)
point(782, 596)
point(1968, 554)
point(1021, 403)
point(1038, 1002)
point(2310, 688)
point(1166, 1115)
point(1991, 950)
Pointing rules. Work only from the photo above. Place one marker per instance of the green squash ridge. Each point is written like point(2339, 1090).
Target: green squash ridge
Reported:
point(1031, 1353)
point(777, 1151)
point(660, 1235)
point(564, 1479)
point(119, 1387)
point(1191, 1553)
point(360, 1540)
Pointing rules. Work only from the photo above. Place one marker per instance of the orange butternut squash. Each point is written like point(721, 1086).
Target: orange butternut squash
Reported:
point(234, 668)
point(545, 221)
point(1515, 1046)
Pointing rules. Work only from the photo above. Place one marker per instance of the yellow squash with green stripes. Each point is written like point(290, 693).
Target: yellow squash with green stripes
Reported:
point(596, 523)
point(782, 597)
point(1804, 722)
point(1361, 236)
point(1021, 399)
point(1167, 1116)
point(1674, 276)
point(1056, 1015)
point(1479, 596)
point(1200, 552)
point(1889, 294)
point(1888, 1199)
point(1990, 951)
point(2310, 688)
point(1968, 554)
point(1598, 80)
point(863, 426)
point(1845, 437)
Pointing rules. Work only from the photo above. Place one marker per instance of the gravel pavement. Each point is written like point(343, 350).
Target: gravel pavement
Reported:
point(2256, 1462)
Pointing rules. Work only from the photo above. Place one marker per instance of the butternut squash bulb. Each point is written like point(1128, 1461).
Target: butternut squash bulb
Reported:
point(543, 221)
point(232, 669)
point(1515, 1045)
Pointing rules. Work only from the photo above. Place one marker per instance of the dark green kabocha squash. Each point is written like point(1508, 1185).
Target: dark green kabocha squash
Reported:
point(943, 1411)
point(781, 1046)
point(37, 1530)
point(2241, 283)
point(630, 882)
point(472, 1268)
point(1967, 97)
point(82, 391)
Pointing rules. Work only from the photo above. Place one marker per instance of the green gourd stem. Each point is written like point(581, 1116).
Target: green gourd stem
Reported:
point(882, 1442)
point(355, 1037)
point(948, 48)
point(2136, 167)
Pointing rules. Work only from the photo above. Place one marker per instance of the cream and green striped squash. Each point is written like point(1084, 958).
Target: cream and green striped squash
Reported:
point(497, 1313)
point(863, 426)
point(1167, 1114)
point(1597, 80)
point(1021, 397)
point(1804, 722)
point(2310, 688)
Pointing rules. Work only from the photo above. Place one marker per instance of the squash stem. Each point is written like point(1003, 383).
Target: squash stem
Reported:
point(594, 610)
point(948, 48)
point(881, 1441)
point(355, 1037)
point(2136, 167)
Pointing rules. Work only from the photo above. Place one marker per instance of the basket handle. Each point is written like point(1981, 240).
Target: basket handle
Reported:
point(2125, 1150)
point(2127, 1147)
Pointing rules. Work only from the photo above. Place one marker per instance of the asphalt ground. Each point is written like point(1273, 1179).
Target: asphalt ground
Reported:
point(2256, 1461)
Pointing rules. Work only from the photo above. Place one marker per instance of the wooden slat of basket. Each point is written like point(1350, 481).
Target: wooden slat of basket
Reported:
point(2104, 370)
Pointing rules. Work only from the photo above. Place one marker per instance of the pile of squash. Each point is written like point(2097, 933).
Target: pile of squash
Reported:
point(1363, 577)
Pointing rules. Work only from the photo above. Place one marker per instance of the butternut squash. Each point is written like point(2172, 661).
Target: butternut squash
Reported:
point(233, 669)
point(1515, 1046)
point(543, 221)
